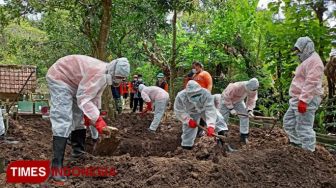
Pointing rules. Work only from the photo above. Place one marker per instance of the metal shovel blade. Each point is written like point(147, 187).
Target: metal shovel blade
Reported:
point(107, 145)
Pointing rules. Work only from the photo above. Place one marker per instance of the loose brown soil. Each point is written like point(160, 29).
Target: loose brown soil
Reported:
point(144, 159)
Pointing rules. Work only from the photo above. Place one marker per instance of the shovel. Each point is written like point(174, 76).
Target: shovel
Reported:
point(107, 144)
point(269, 119)
point(259, 117)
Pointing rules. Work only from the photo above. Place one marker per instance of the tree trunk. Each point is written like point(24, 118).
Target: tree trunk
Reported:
point(104, 29)
point(173, 60)
point(101, 52)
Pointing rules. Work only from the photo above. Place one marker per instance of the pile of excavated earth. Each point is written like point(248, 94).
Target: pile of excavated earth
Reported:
point(144, 159)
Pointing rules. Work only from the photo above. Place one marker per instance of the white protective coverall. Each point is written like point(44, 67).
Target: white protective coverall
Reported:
point(306, 86)
point(233, 98)
point(76, 84)
point(195, 102)
point(159, 97)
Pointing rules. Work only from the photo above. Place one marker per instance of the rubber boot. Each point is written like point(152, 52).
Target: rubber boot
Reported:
point(295, 145)
point(151, 131)
point(227, 147)
point(59, 144)
point(187, 147)
point(244, 138)
point(78, 142)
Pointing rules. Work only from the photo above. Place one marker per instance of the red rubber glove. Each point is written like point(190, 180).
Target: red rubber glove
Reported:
point(302, 107)
point(149, 106)
point(87, 121)
point(211, 131)
point(192, 123)
point(100, 124)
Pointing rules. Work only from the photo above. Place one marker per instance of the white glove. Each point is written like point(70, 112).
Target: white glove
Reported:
point(233, 112)
point(250, 113)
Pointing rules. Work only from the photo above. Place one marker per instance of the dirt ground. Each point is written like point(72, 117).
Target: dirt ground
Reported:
point(155, 160)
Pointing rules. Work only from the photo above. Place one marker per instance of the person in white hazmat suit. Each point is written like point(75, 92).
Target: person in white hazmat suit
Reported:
point(305, 91)
point(160, 98)
point(233, 103)
point(190, 105)
point(76, 84)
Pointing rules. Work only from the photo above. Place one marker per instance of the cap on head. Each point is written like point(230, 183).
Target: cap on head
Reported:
point(160, 75)
point(193, 87)
point(252, 84)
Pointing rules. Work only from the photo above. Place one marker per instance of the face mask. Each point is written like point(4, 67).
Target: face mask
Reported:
point(300, 55)
point(140, 79)
point(193, 71)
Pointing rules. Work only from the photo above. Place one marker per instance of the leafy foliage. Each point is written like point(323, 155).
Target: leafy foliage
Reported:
point(235, 40)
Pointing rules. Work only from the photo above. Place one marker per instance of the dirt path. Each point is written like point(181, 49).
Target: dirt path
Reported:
point(156, 160)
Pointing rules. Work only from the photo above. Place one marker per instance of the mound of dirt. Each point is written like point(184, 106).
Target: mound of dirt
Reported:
point(144, 159)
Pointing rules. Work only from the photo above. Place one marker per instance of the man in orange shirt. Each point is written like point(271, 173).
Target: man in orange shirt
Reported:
point(201, 76)
point(204, 79)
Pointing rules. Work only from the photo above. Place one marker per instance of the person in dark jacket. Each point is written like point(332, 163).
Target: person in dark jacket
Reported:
point(137, 94)
point(132, 91)
point(161, 82)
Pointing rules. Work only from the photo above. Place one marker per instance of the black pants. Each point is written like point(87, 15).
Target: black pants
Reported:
point(136, 102)
point(131, 100)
